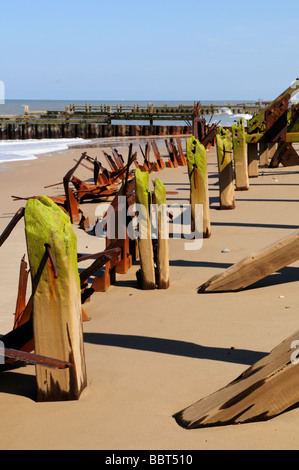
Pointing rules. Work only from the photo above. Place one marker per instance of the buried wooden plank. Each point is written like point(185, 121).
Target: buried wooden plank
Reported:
point(57, 314)
point(262, 392)
point(256, 266)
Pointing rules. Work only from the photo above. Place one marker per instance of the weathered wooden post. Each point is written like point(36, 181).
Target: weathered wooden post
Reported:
point(57, 315)
point(162, 255)
point(198, 177)
point(263, 154)
point(240, 156)
point(267, 152)
point(225, 167)
point(146, 275)
point(253, 164)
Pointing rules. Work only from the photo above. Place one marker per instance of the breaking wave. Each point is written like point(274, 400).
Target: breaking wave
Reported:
point(19, 150)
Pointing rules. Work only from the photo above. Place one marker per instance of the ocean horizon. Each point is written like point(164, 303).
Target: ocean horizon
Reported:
point(16, 106)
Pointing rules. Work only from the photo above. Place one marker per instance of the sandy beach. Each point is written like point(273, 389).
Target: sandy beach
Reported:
point(149, 354)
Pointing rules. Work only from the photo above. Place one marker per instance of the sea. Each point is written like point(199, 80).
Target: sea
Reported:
point(16, 150)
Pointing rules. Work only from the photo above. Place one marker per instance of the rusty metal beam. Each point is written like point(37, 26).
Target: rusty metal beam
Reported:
point(276, 119)
point(95, 266)
point(35, 359)
point(72, 204)
point(22, 287)
point(5, 234)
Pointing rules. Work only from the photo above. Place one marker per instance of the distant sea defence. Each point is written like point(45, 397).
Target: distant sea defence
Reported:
point(16, 107)
point(14, 150)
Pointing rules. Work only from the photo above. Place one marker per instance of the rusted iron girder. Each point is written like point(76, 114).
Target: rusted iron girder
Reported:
point(207, 133)
point(5, 234)
point(276, 120)
point(35, 359)
point(72, 204)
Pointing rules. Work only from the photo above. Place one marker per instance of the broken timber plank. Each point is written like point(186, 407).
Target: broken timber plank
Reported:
point(57, 315)
point(255, 267)
point(262, 392)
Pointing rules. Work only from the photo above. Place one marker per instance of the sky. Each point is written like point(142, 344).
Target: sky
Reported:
point(148, 50)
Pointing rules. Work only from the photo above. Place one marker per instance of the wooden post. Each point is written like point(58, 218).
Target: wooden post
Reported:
point(263, 149)
point(255, 267)
point(162, 272)
point(198, 177)
point(267, 152)
point(240, 156)
point(146, 275)
point(225, 167)
point(57, 315)
point(272, 148)
point(252, 155)
point(262, 392)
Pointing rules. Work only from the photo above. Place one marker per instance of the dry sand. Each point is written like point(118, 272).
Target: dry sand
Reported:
point(150, 354)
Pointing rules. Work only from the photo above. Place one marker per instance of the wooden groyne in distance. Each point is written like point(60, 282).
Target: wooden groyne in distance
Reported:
point(22, 131)
point(90, 122)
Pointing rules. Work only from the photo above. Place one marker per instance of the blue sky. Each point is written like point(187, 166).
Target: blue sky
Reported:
point(158, 49)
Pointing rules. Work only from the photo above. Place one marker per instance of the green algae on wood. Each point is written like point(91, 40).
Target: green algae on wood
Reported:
point(198, 177)
point(162, 271)
point(57, 317)
point(146, 275)
point(240, 156)
point(225, 168)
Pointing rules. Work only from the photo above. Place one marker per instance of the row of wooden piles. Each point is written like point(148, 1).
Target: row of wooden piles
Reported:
point(237, 163)
point(54, 309)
